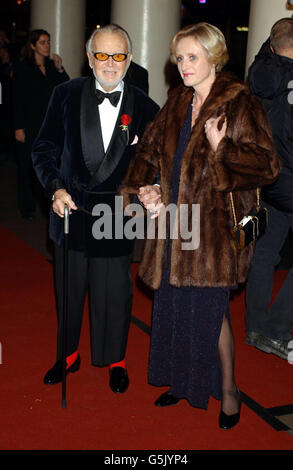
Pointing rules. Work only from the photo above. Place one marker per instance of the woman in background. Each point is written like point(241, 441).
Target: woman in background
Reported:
point(33, 81)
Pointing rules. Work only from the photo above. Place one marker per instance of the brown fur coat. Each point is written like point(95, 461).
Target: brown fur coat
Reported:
point(244, 160)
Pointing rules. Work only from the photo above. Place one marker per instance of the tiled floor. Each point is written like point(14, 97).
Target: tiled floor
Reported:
point(288, 420)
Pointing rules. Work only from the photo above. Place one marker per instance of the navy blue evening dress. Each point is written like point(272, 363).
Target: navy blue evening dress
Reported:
point(186, 326)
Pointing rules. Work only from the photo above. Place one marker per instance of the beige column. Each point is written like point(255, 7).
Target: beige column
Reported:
point(65, 21)
point(151, 25)
point(263, 14)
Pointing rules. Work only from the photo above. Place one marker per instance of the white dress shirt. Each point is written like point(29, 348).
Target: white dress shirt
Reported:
point(109, 114)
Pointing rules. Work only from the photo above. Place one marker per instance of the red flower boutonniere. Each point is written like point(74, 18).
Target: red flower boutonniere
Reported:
point(125, 120)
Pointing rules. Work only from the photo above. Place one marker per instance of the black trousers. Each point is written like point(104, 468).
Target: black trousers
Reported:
point(30, 191)
point(276, 320)
point(108, 282)
point(26, 179)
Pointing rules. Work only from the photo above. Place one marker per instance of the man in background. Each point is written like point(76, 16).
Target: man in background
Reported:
point(270, 76)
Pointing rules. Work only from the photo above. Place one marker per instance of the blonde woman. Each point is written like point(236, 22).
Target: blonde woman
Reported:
point(210, 138)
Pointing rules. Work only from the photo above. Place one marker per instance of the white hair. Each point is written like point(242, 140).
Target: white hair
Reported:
point(110, 28)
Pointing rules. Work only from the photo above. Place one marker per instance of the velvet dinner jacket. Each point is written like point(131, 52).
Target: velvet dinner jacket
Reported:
point(68, 153)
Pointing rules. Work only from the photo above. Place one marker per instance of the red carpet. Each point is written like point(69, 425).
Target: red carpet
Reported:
point(95, 418)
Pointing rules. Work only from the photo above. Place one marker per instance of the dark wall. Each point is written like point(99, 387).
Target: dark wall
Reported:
point(226, 14)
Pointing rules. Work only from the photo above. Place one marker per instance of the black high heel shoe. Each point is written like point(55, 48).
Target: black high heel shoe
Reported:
point(229, 421)
point(167, 399)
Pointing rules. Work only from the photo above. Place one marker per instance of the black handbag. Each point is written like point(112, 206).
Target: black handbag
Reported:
point(251, 227)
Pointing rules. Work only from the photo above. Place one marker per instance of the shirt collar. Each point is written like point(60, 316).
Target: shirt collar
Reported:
point(119, 87)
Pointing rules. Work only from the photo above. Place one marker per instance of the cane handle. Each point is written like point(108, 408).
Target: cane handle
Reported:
point(66, 219)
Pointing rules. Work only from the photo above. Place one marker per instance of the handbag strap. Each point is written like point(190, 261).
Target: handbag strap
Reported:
point(233, 207)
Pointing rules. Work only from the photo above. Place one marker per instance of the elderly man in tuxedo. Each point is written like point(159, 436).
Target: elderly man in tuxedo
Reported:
point(81, 156)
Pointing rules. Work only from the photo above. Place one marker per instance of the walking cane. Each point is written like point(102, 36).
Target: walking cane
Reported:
point(65, 303)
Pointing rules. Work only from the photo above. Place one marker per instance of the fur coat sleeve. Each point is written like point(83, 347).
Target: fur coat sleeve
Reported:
point(245, 158)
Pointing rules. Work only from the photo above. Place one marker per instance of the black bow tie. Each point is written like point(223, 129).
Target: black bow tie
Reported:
point(113, 97)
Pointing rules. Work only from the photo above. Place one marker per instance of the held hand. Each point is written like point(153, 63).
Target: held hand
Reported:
point(154, 209)
point(214, 135)
point(61, 197)
point(57, 61)
point(150, 194)
point(150, 197)
point(19, 135)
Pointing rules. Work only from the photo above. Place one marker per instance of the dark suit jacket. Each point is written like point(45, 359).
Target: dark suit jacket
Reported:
point(68, 153)
point(269, 77)
point(138, 76)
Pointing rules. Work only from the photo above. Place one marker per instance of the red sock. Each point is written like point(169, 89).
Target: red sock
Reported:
point(71, 359)
point(118, 364)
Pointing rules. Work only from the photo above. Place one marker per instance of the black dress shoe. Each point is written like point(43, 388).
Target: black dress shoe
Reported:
point(167, 399)
point(229, 421)
point(119, 380)
point(54, 375)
